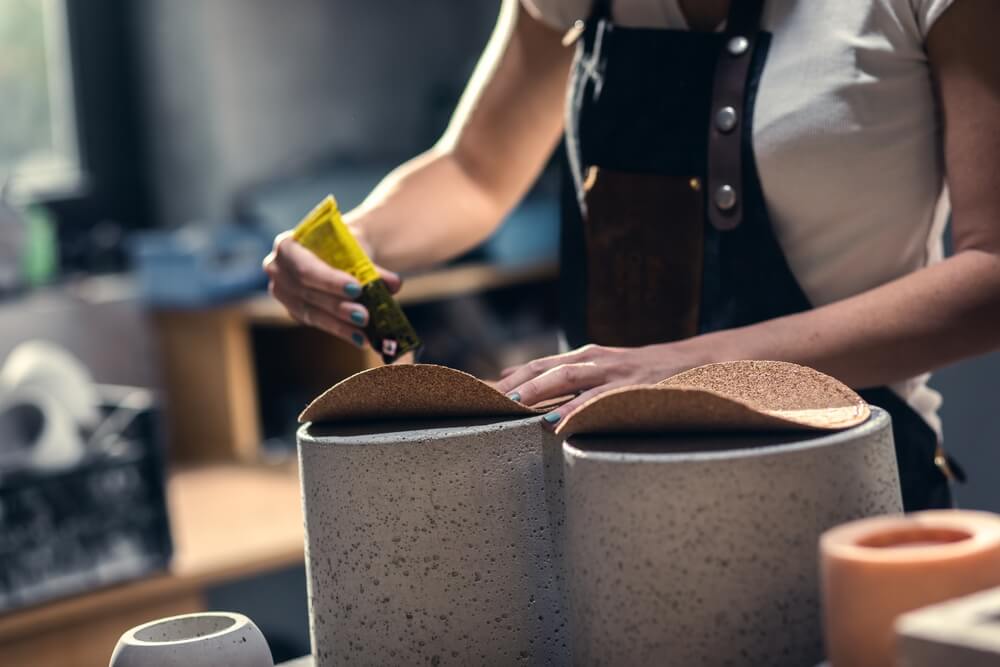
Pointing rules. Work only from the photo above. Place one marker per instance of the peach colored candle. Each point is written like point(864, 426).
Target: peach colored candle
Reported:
point(875, 569)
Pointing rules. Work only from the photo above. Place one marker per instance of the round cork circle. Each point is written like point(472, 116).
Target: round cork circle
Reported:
point(731, 396)
point(411, 391)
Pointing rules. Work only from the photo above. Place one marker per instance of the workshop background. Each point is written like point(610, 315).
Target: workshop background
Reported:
point(149, 151)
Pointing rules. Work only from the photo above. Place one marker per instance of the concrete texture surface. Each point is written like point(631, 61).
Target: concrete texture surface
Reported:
point(434, 543)
point(702, 549)
point(203, 639)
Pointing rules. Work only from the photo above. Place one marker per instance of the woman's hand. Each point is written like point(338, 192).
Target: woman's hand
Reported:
point(594, 369)
point(317, 294)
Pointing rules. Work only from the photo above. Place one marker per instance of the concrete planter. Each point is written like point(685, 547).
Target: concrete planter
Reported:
point(435, 523)
point(702, 549)
point(434, 542)
point(206, 639)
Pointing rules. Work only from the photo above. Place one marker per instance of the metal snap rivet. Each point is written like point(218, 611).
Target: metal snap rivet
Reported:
point(725, 197)
point(574, 33)
point(725, 119)
point(695, 184)
point(738, 45)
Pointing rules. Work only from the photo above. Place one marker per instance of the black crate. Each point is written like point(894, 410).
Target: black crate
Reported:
point(102, 522)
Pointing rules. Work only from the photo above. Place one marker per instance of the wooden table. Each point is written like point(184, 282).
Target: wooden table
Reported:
point(228, 522)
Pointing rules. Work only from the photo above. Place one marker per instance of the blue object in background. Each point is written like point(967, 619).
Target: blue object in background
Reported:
point(529, 235)
point(199, 266)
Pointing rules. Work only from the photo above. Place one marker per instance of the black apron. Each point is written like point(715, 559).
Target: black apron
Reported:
point(665, 232)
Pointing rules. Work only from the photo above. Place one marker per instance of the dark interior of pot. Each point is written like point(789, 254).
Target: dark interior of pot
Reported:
point(693, 442)
point(409, 426)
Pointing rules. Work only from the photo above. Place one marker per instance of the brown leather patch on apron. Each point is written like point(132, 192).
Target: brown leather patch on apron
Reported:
point(644, 237)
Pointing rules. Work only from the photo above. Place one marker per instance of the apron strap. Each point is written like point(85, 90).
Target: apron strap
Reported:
point(726, 125)
point(744, 16)
point(601, 9)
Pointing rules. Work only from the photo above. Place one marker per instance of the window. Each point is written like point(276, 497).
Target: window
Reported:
point(39, 150)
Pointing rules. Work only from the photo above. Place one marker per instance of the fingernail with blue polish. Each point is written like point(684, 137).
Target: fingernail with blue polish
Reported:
point(514, 396)
point(358, 339)
point(357, 317)
point(352, 290)
point(552, 417)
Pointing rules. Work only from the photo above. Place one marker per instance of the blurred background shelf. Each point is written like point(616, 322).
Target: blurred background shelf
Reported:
point(229, 523)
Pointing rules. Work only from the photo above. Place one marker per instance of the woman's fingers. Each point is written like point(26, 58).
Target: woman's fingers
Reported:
point(350, 312)
point(518, 375)
point(337, 306)
point(317, 294)
point(320, 318)
point(560, 381)
point(391, 278)
point(354, 313)
point(310, 271)
point(554, 418)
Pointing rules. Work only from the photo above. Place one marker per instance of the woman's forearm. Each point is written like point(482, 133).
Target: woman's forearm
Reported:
point(503, 131)
point(917, 323)
point(945, 312)
point(424, 212)
point(914, 324)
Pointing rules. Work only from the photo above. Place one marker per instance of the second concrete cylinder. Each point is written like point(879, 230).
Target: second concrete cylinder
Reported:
point(702, 549)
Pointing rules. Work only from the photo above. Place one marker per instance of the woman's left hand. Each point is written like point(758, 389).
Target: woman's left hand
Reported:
point(595, 369)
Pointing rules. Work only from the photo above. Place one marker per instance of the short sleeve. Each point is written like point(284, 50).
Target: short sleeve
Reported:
point(928, 12)
point(558, 14)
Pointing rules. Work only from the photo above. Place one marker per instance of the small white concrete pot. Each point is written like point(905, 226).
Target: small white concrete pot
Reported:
point(434, 542)
point(209, 639)
point(694, 549)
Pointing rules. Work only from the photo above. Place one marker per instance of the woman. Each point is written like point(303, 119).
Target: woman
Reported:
point(750, 180)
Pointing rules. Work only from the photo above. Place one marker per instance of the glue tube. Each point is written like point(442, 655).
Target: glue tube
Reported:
point(324, 233)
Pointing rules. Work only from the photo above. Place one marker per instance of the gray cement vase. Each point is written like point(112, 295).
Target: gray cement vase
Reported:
point(434, 542)
point(701, 549)
point(207, 639)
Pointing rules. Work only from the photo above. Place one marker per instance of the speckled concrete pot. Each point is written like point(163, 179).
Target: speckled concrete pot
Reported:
point(434, 543)
point(206, 639)
point(702, 549)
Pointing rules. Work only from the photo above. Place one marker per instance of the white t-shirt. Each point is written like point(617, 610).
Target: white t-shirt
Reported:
point(847, 140)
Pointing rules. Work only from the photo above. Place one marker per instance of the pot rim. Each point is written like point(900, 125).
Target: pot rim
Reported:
point(239, 623)
point(411, 432)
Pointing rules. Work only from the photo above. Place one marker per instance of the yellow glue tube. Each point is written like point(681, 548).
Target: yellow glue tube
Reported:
point(325, 234)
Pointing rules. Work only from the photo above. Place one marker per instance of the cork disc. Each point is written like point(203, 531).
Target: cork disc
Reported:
point(732, 396)
point(411, 391)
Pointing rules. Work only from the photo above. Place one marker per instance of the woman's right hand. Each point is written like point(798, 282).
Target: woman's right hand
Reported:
point(316, 294)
